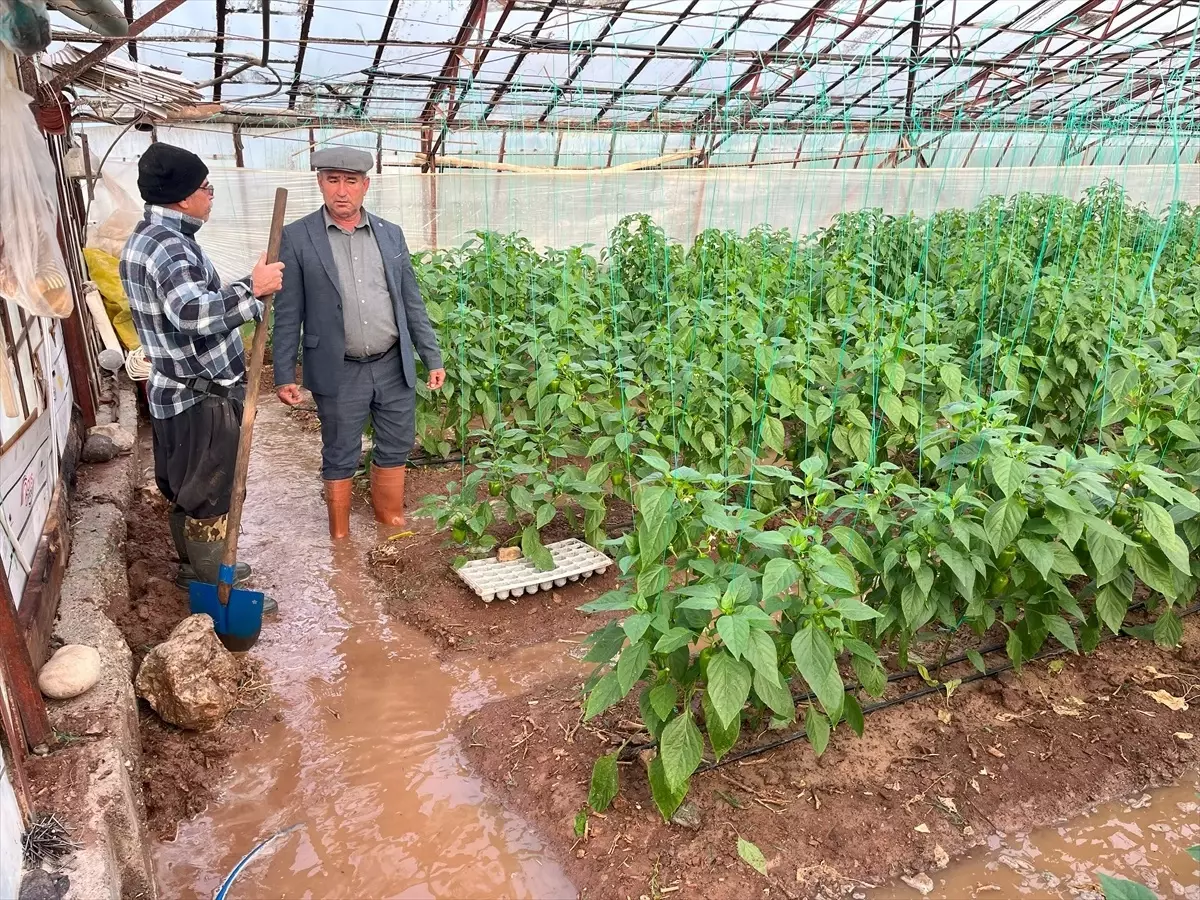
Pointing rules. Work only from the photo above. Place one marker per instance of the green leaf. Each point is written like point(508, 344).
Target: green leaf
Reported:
point(545, 515)
point(960, 565)
point(870, 675)
point(816, 726)
point(854, 610)
point(779, 388)
point(839, 573)
point(1105, 552)
point(813, 652)
point(680, 749)
point(1120, 889)
point(666, 797)
point(606, 694)
point(631, 665)
point(760, 653)
point(735, 632)
point(1069, 523)
point(1194, 852)
point(1152, 568)
point(752, 856)
point(662, 699)
point(976, 659)
point(656, 526)
point(611, 601)
point(722, 736)
point(1111, 606)
point(531, 547)
point(1039, 555)
point(854, 715)
point(775, 695)
point(1183, 431)
point(728, 686)
point(773, 434)
point(1170, 492)
point(581, 822)
point(636, 625)
point(1009, 474)
point(674, 639)
point(1065, 563)
point(1003, 522)
point(653, 580)
point(779, 576)
point(1159, 523)
point(1168, 630)
point(1059, 627)
point(605, 782)
point(1015, 649)
point(854, 544)
point(605, 643)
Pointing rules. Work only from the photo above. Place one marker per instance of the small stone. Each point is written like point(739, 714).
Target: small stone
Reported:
point(509, 554)
point(121, 439)
point(38, 884)
point(72, 670)
point(99, 448)
point(919, 882)
point(687, 816)
point(940, 857)
point(190, 679)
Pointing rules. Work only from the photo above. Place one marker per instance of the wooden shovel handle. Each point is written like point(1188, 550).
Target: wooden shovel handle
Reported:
point(233, 522)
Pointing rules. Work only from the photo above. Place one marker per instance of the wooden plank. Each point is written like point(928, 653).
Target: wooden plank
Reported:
point(39, 603)
point(19, 674)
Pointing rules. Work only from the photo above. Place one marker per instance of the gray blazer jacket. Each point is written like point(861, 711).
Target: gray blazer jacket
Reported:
point(311, 301)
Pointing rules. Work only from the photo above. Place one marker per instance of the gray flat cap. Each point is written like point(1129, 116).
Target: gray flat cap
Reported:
point(343, 159)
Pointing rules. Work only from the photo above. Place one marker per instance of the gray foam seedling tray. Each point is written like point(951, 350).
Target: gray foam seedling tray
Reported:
point(573, 560)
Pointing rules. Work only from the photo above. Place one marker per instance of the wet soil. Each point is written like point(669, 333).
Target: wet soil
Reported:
point(181, 770)
point(1144, 839)
point(1015, 753)
point(424, 591)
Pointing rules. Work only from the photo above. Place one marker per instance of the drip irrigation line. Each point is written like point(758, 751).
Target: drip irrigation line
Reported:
point(905, 698)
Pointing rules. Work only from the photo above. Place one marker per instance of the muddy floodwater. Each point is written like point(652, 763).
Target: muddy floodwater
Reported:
point(363, 757)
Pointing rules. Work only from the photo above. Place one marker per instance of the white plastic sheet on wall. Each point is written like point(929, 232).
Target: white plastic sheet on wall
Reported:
point(567, 209)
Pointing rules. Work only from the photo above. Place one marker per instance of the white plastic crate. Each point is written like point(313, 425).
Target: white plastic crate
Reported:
point(495, 580)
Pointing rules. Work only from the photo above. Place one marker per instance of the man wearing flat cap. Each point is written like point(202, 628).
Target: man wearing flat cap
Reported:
point(189, 325)
point(351, 299)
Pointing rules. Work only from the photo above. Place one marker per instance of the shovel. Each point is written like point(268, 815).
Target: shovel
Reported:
point(236, 612)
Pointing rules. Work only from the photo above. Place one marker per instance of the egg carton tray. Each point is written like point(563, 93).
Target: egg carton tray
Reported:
point(495, 580)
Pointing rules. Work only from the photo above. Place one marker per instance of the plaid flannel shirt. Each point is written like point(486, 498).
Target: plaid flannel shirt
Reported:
point(187, 322)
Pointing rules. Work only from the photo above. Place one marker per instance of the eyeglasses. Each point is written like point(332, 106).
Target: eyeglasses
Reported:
point(208, 189)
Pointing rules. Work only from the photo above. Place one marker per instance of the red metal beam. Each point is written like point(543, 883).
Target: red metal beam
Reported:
point(512, 72)
point(585, 58)
point(136, 27)
point(305, 27)
point(480, 57)
point(379, 47)
point(475, 17)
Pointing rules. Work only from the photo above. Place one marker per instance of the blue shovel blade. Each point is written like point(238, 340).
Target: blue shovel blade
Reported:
point(238, 622)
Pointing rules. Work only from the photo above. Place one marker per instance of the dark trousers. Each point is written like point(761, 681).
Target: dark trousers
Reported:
point(194, 456)
point(376, 389)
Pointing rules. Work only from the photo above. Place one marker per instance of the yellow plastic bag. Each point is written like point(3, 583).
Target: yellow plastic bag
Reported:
point(104, 270)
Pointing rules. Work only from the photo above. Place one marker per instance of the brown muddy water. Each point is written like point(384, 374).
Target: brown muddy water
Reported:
point(364, 758)
point(365, 762)
point(1144, 840)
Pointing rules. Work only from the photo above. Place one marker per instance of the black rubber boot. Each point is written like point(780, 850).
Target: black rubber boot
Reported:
point(205, 557)
point(187, 574)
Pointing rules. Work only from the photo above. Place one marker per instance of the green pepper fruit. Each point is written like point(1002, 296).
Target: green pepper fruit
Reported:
point(1121, 517)
point(495, 488)
point(1006, 558)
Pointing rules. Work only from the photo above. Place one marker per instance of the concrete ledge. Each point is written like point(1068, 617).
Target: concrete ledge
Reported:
point(99, 764)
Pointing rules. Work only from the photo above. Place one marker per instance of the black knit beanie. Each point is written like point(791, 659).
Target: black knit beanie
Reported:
point(169, 174)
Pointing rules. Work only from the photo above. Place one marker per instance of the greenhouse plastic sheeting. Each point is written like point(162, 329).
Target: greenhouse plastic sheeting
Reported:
point(580, 208)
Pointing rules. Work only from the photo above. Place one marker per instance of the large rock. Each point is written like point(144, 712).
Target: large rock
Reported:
point(104, 442)
point(72, 670)
point(190, 679)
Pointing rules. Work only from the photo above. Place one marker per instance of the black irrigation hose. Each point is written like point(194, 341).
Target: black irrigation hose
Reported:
point(423, 461)
point(905, 698)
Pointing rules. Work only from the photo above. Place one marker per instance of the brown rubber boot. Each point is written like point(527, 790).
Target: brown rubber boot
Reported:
point(337, 498)
point(387, 494)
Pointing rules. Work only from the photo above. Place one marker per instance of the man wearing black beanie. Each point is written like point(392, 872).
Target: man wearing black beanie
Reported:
point(189, 325)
